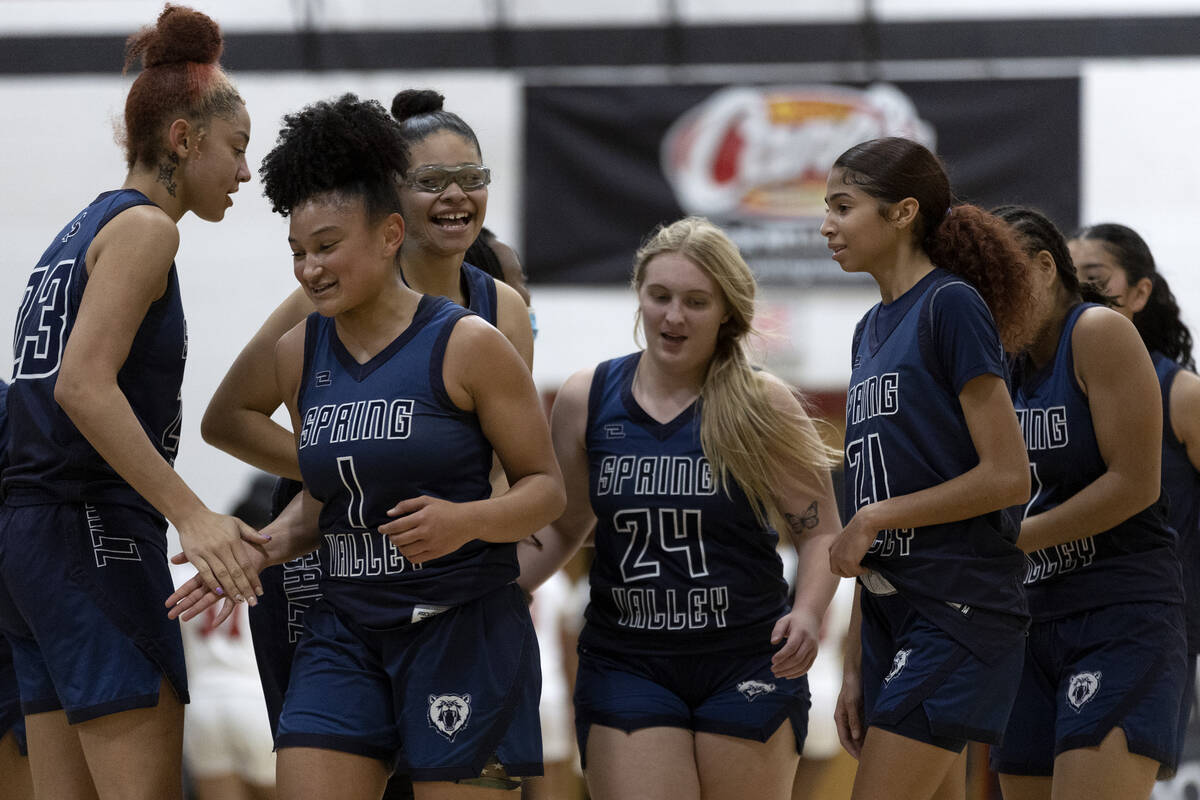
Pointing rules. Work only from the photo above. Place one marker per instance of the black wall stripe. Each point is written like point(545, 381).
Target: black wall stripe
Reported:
point(691, 45)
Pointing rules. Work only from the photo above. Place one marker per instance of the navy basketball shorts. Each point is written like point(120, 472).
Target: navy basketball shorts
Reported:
point(438, 700)
point(11, 718)
point(732, 694)
point(920, 683)
point(1186, 705)
point(1121, 666)
point(81, 602)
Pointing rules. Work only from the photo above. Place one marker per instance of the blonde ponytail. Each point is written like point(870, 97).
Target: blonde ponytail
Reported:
point(743, 432)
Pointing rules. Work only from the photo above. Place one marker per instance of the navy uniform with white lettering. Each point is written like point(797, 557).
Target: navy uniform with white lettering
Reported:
point(686, 584)
point(1181, 482)
point(82, 556)
point(455, 678)
point(1107, 647)
point(11, 718)
point(289, 589)
point(943, 612)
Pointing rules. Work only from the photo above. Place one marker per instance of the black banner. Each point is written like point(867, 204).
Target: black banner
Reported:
point(605, 164)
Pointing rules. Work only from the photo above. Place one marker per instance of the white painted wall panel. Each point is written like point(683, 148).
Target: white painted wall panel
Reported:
point(1141, 162)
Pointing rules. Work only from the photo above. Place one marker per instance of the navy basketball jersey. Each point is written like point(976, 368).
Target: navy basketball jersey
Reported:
point(50, 460)
point(479, 290)
point(1132, 562)
point(1181, 482)
point(905, 431)
point(295, 585)
point(3, 429)
point(3, 425)
point(680, 566)
point(377, 433)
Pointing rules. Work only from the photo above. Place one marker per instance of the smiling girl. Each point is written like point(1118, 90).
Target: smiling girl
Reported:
point(420, 655)
point(933, 455)
point(687, 461)
point(443, 195)
point(95, 418)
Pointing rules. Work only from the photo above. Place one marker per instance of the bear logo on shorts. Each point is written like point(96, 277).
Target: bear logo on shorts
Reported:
point(448, 713)
point(898, 664)
point(753, 689)
point(1081, 688)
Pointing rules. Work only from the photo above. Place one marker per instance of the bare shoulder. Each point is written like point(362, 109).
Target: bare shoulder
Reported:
point(781, 395)
point(1104, 337)
point(512, 318)
point(1185, 398)
point(573, 394)
point(148, 218)
point(1099, 322)
point(291, 344)
point(145, 230)
point(508, 297)
point(473, 331)
point(145, 225)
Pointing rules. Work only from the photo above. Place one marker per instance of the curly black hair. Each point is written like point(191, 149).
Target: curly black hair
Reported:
point(348, 146)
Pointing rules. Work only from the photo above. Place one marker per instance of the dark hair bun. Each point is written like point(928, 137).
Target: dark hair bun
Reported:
point(180, 35)
point(414, 102)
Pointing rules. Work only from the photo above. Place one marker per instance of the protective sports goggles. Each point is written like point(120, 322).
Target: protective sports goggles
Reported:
point(434, 179)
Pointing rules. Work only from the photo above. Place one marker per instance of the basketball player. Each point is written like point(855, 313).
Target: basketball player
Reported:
point(421, 654)
point(933, 456)
point(687, 461)
point(95, 415)
point(238, 419)
point(1097, 711)
point(1117, 261)
point(14, 763)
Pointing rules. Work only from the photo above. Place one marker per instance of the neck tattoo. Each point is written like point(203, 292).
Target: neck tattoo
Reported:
point(166, 173)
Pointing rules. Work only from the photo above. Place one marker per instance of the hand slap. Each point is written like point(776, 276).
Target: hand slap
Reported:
point(193, 597)
point(217, 545)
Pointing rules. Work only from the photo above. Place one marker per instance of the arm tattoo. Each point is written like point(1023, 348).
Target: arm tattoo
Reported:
point(166, 173)
point(806, 521)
